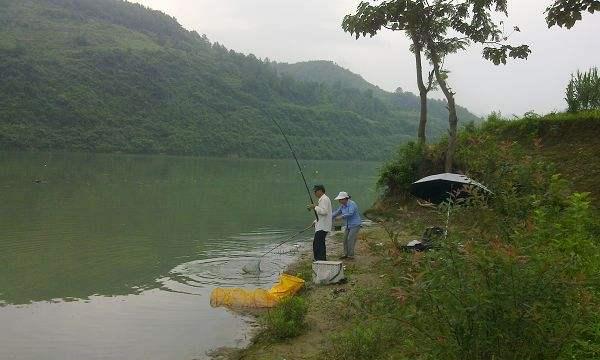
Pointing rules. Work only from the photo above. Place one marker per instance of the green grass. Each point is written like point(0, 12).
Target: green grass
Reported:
point(364, 341)
point(287, 319)
point(566, 141)
point(502, 284)
point(570, 141)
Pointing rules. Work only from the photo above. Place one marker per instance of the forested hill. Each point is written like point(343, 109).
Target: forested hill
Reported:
point(326, 72)
point(107, 75)
point(330, 73)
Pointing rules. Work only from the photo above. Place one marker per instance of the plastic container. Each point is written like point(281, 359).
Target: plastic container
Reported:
point(327, 272)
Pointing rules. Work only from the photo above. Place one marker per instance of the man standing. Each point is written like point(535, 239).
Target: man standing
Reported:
point(349, 212)
point(323, 225)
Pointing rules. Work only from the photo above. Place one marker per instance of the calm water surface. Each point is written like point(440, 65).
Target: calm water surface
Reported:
point(115, 256)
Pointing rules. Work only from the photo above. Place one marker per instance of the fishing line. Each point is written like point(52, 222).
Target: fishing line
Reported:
point(297, 163)
point(254, 267)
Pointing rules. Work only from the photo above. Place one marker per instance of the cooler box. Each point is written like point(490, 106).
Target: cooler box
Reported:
point(327, 272)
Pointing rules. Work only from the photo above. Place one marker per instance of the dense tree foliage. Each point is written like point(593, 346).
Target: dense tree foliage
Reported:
point(405, 16)
point(107, 75)
point(565, 13)
point(440, 28)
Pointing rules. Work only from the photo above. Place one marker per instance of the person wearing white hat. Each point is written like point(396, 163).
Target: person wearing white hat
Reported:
point(348, 211)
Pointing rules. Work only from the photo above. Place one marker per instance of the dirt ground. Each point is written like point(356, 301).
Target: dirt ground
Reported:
point(326, 311)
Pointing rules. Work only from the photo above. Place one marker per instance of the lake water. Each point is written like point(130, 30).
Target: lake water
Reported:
point(115, 256)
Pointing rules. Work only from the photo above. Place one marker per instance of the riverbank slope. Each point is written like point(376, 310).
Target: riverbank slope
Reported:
point(513, 278)
point(332, 310)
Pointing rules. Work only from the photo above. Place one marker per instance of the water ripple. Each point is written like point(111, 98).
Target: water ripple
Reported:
point(224, 267)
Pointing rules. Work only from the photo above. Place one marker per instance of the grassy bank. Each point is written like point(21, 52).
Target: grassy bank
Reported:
point(332, 311)
point(515, 278)
point(464, 301)
point(565, 144)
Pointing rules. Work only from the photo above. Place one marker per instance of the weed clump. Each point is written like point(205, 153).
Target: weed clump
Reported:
point(361, 342)
point(286, 320)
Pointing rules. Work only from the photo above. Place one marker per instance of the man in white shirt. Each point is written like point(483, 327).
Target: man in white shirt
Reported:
point(323, 225)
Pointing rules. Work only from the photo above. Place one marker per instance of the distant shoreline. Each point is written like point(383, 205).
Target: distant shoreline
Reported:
point(166, 155)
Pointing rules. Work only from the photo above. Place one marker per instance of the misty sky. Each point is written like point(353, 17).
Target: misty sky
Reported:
point(292, 31)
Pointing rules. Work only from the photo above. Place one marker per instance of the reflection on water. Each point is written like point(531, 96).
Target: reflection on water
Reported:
point(90, 243)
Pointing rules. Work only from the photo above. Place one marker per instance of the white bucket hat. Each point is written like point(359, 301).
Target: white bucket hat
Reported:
point(342, 195)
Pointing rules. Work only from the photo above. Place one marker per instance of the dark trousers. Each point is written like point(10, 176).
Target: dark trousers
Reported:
point(319, 250)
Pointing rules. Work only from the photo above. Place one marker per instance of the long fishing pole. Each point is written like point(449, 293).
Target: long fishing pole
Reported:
point(297, 163)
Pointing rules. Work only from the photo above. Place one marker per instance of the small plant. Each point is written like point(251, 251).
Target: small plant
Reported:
point(287, 320)
point(393, 231)
point(361, 342)
point(583, 91)
point(304, 271)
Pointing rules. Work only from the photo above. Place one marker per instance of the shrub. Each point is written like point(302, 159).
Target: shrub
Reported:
point(393, 230)
point(527, 293)
point(583, 91)
point(517, 277)
point(286, 320)
point(399, 173)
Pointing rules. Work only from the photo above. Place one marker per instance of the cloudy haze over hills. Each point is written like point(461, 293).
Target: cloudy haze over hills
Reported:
point(291, 31)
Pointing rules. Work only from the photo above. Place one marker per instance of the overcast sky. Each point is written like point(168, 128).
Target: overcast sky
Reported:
point(300, 30)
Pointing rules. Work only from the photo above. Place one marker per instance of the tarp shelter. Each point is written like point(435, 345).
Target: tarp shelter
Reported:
point(437, 188)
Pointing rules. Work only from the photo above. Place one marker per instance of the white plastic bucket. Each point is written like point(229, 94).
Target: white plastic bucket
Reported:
point(327, 272)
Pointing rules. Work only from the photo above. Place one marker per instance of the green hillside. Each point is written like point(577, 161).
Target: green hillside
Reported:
point(329, 73)
point(326, 72)
point(110, 76)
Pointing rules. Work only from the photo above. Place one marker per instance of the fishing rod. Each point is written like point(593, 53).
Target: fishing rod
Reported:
point(297, 163)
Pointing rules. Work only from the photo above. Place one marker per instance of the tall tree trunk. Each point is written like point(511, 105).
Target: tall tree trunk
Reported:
point(423, 90)
point(452, 116)
point(452, 134)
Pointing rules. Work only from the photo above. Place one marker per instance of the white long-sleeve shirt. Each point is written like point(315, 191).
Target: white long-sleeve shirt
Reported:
point(324, 211)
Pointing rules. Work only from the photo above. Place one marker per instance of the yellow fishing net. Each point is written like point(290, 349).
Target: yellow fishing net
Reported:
point(288, 285)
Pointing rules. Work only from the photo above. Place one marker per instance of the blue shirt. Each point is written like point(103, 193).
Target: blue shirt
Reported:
point(350, 213)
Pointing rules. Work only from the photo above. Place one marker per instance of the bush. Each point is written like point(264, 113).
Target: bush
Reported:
point(399, 173)
point(287, 320)
point(517, 277)
point(528, 292)
point(583, 91)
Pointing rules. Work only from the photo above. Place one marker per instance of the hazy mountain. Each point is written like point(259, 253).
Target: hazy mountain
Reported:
point(111, 76)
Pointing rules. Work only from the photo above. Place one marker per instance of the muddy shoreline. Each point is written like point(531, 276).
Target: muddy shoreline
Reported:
point(303, 260)
point(319, 318)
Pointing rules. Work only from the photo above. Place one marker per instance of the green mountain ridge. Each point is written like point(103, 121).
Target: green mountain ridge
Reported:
point(112, 76)
point(328, 72)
